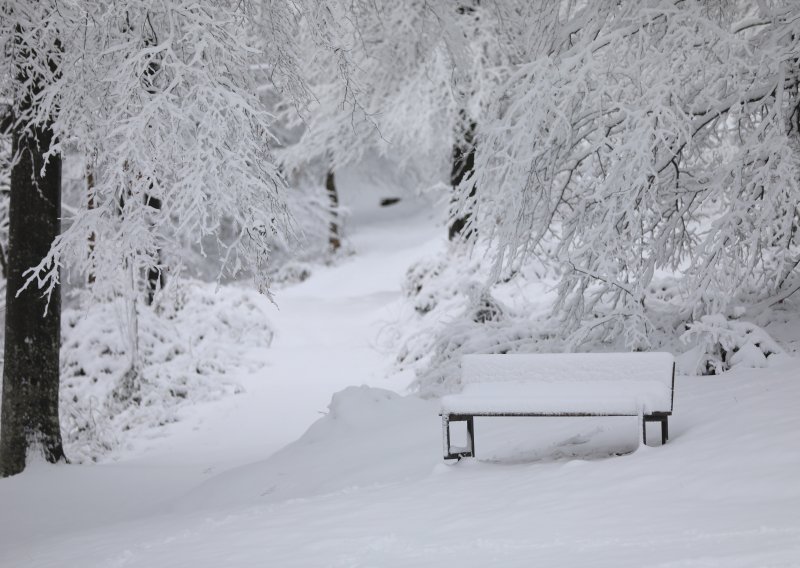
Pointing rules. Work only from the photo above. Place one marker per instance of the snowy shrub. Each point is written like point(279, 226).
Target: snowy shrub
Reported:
point(723, 344)
point(419, 285)
point(441, 373)
point(521, 315)
point(191, 345)
point(449, 311)
point(292, 272)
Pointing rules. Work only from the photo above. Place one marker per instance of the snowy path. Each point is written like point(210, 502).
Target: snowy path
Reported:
point(325, 335)
point(326, 329)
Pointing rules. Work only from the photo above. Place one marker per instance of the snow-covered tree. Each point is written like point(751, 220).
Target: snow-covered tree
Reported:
point(643, 138)
point(160, 97)
point(406, 79)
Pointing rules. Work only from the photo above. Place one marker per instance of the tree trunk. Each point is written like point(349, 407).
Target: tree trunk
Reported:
point(30, 425)
point(463, 165)
point(334, 240)
point(90, 205)
point(31, 373)
point(155, 276)
point(6, 123)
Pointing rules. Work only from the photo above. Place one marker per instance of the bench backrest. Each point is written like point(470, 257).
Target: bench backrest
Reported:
point(572, 367)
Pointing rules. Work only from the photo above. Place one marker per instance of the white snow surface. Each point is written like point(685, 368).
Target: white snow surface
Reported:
point(271, 478)
point(552, 397)
point(555, 367)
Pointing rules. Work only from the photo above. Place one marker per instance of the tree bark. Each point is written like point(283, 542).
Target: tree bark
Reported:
point(334, 241)
point(90, 205)
point(30, 423)
point(155, 280)
point(463, 165)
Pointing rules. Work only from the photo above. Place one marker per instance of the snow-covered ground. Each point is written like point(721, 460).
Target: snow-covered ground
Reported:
point(281, 475)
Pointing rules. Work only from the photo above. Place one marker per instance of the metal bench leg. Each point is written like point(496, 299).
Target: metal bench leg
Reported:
point(663, 419)
point(446, 435)
point(469, 450)
point(471, 435)
point(644, 430)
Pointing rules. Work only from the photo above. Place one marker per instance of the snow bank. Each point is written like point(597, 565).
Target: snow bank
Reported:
point(366, 486)
point(189, 344)
point(368, 436)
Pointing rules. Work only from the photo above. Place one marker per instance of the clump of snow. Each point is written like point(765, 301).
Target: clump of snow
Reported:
point(190, 342)
point(720, 344)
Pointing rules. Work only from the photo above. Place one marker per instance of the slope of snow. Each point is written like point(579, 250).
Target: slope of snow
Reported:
point(363, 483)
point(365, 486)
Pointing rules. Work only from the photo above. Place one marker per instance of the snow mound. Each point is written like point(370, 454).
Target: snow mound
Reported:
point(189, 343)
point(368, 436)
point(358, 406)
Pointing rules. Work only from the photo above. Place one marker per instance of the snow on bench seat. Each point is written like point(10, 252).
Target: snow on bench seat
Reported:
point(553, 398)
point(572, 367)
point(573, 384)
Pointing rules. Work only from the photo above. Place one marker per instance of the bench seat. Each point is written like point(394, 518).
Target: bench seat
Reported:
point(558, 398)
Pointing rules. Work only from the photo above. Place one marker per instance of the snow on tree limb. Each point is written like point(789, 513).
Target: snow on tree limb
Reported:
point(650, 138)
point(162, 96)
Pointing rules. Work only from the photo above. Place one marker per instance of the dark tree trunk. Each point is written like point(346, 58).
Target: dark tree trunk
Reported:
point(155, 282)
point(90, 205)
point(6, 123)
point(463, 165)
point(334, 240)
point(30, 377)
point(155, 276)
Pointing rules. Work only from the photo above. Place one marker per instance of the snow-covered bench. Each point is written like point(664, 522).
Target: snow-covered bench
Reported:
point(575, 384)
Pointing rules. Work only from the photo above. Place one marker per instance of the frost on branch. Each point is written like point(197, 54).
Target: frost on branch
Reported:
point(398, 77)
point(648, 141)
point(160, 98)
